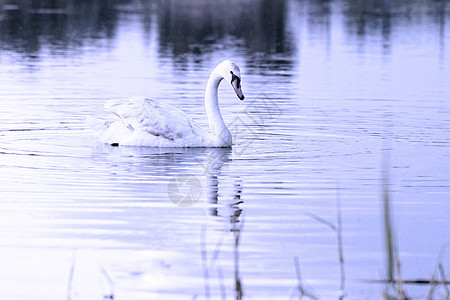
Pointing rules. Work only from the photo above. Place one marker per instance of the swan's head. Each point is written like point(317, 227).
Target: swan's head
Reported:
point(231, 73)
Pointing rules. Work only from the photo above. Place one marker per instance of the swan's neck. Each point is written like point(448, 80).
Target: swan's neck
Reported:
point(217, 126)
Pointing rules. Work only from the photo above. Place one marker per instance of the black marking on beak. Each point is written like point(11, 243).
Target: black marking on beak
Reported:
point(233, 78)
point(236, 84)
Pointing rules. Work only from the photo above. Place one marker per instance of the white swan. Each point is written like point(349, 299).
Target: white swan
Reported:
point(146, 122)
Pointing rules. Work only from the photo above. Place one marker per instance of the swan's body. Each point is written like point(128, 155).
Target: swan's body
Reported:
point(142, 121)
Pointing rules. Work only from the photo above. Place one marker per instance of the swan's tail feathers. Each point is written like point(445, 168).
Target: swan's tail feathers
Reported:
point(106, 131)
point(95, 124)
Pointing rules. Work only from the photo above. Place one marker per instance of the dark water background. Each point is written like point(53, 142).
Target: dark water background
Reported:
point(340, 95)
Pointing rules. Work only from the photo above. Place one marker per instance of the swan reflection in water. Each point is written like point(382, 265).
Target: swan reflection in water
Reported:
point(217, 159)
point(155, 167)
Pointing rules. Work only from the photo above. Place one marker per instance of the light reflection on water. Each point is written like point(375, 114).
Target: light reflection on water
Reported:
point(329, 88)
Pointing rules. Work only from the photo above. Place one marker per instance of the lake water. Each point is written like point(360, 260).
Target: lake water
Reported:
point(344, 129)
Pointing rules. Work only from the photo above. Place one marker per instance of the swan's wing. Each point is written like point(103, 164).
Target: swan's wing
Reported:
point(154, 117)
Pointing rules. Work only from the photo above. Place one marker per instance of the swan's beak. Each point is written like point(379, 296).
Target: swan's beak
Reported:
point(237, 88)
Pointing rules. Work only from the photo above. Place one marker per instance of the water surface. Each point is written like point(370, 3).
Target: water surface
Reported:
point(336, 92)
